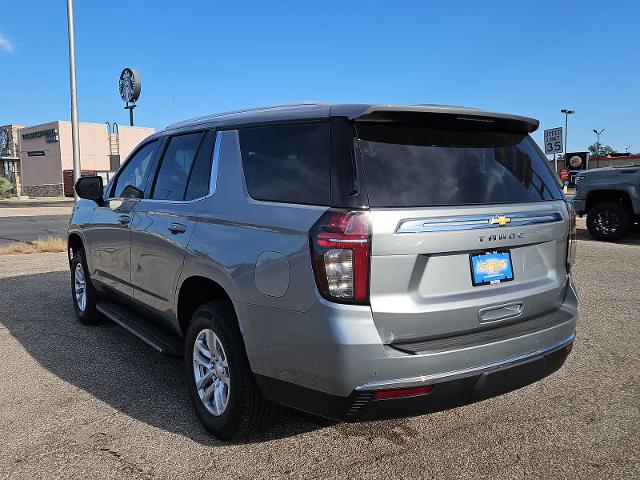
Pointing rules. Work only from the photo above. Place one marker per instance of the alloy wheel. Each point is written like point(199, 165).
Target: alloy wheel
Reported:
point(211, 372)
point(80, 286)
point(607, 222)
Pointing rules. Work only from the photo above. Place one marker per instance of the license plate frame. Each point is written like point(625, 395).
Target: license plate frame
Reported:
point(501, 275)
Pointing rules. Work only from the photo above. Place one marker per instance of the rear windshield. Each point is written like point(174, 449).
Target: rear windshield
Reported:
point(416, 166)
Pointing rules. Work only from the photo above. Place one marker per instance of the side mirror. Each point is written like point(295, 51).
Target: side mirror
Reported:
point(90, 188)
point(132, 192)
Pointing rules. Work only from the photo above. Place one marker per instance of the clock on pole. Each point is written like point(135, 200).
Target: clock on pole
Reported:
point(129, 87)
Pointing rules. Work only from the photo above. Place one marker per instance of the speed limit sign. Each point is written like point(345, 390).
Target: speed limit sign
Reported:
point(553, 140)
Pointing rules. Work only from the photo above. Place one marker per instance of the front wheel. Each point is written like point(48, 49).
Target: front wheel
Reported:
point(608, 221)
point(220, 381)
point(82, 291)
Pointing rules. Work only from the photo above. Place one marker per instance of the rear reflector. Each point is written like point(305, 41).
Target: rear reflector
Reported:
point(568, 348)
point(402, 392)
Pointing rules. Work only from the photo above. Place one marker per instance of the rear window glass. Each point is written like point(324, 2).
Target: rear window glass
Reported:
point(414, 166)
point(287, 163)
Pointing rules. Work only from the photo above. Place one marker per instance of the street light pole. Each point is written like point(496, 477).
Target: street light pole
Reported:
point(598, 133)
point(75, 135)
point(566, 112)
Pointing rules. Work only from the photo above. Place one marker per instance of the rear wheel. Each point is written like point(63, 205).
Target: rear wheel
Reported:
point(83, 293)
point(221, 384)
point(608, 221)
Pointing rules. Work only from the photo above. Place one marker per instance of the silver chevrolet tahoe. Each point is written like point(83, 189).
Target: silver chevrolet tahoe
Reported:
point(352, 261)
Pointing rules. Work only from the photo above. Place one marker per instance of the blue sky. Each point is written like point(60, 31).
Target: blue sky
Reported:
point(199, 57)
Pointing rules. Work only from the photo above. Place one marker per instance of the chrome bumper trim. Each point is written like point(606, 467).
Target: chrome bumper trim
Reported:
point(467, 372)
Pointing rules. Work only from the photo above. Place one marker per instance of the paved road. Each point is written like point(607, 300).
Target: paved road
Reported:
point(94, 402)
point(30, 228)
point(42, 203)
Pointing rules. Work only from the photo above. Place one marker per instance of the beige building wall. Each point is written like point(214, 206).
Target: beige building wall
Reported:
point(130, 137)
point(94, 146)
point(43, 175)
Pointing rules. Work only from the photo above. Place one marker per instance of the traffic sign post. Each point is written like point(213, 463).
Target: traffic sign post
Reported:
point(553, 143)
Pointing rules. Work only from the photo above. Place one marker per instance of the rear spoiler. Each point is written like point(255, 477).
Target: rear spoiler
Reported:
point(443, 115)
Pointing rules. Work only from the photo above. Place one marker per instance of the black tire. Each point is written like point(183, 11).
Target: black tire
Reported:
point(89, 315)
point(247, 411)
point(608, 222)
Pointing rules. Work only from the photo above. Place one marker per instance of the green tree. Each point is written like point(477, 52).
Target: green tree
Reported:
point(600, 150)
point(5, 187)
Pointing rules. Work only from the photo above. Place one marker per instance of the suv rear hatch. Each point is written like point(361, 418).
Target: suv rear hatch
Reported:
point(469, 225)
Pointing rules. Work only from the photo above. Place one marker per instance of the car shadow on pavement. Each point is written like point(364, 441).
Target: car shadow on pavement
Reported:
point(112, 365)
point(632, 238)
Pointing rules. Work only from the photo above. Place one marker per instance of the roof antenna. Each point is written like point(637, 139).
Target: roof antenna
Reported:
point(173, 104)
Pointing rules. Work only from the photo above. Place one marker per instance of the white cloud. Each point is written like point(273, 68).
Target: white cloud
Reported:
point(5, 44)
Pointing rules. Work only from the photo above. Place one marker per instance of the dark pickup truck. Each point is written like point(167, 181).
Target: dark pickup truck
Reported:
point(610, 197)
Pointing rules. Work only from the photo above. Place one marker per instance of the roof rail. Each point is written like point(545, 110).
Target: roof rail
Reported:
point(247, 110)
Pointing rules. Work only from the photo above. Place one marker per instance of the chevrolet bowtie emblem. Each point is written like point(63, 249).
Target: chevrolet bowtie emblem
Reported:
point(499, 220)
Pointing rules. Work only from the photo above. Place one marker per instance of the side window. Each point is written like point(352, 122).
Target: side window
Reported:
point(131, 180)
point(200, 177)
point(177, 160)
point(287, 163)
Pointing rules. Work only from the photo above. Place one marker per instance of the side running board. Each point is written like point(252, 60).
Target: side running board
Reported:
point(143, 329)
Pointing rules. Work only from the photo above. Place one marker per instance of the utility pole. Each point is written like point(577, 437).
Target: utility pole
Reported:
point(75, 134)
point(566, 112)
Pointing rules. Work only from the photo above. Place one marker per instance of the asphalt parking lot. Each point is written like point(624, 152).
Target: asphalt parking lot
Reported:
point(80, 402)
point(28, 220)
point(30, 228)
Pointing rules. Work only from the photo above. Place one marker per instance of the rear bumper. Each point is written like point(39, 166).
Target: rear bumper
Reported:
point(478, 371)
point(458, 390)
point(335, 351)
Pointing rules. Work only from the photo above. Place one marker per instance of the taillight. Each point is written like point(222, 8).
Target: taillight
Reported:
point(571, 237)
point(340, 249)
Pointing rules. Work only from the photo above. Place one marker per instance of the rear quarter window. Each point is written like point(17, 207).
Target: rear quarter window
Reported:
point(287, 163)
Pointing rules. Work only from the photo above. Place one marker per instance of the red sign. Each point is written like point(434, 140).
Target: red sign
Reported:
point(564, 174)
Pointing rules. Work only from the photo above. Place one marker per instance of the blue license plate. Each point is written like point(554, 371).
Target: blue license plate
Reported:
point(491, 267)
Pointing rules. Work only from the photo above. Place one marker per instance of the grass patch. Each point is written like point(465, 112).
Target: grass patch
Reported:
point(42, 245)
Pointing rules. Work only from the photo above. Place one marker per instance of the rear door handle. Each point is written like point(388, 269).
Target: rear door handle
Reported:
point(124, 219)
point(177, 228)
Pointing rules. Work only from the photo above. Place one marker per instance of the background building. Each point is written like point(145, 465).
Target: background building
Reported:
point(615, 160)
point(579, 161)
point(46, 154)
point(10, 156)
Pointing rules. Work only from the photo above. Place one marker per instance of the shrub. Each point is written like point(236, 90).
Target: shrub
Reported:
point(50, 244)
point(5, 187)
point(41, 245)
